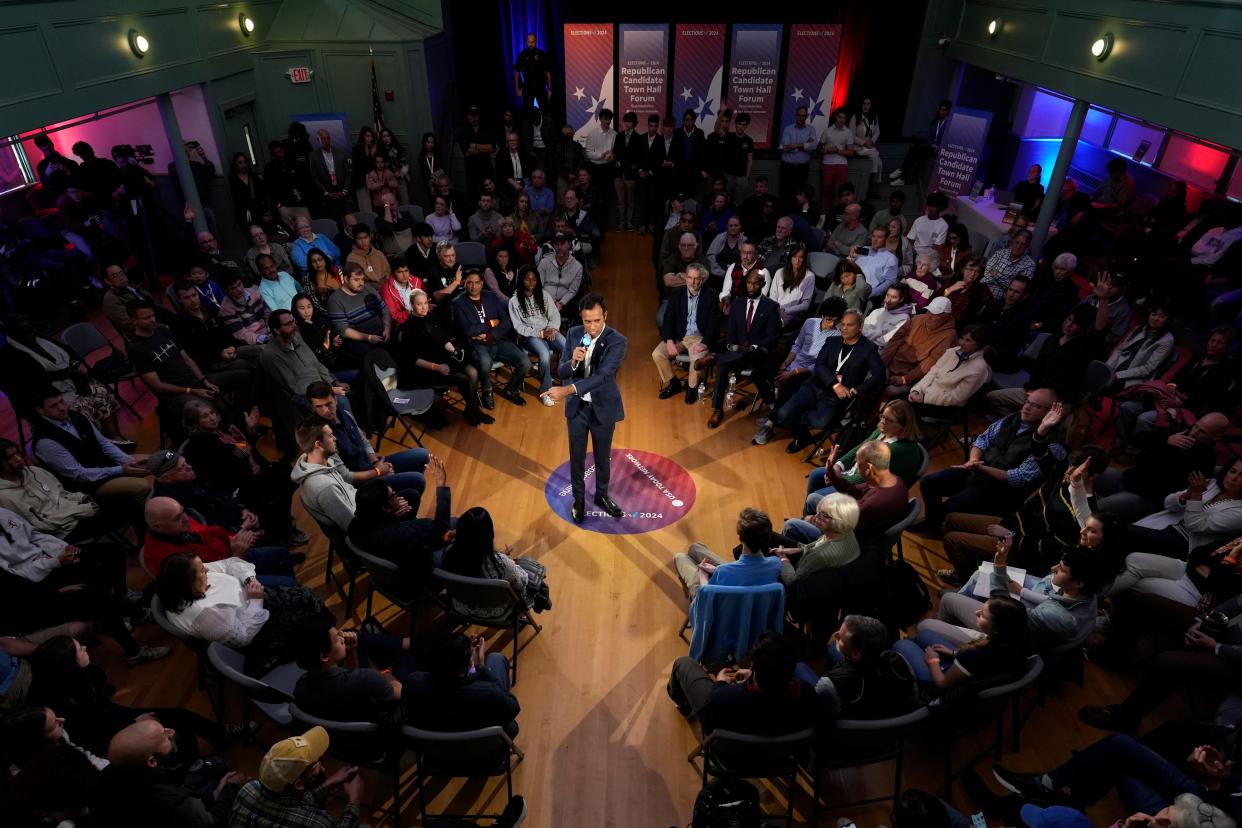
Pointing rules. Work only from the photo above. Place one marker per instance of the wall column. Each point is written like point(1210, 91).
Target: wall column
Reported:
point(1069, 143)
point(172, 131)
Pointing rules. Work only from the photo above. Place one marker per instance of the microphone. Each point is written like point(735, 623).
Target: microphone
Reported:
point(585, 342)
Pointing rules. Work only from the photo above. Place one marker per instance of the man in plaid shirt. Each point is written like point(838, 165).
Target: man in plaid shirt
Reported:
point(293, 786)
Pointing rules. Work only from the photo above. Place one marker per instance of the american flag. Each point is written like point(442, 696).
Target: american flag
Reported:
point(377, 107)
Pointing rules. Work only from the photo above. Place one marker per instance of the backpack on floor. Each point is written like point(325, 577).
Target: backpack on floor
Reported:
point(726, 804)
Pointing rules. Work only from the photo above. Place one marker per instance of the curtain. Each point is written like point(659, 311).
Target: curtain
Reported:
point(855, 23)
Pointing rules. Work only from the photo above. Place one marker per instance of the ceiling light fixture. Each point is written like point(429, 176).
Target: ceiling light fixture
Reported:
point(1102, 47)
point(246, 24)
point(138, 43)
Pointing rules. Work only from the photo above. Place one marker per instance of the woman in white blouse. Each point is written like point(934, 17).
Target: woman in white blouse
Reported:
point(866, 129)
point(793, 288)
point(219, 601)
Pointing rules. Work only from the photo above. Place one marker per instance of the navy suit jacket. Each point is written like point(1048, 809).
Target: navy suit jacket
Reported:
point(765, 326)
point(864, 371)
point(606, 360)
point(676, 315)
point(467, 318)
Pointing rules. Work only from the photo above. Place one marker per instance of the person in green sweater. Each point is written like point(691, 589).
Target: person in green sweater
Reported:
point(836, 516)
point(899, 428)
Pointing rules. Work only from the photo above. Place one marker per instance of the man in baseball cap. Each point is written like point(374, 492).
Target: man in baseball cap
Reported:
point(293, 786)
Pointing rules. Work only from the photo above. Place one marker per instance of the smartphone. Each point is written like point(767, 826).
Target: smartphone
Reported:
point(977, 820)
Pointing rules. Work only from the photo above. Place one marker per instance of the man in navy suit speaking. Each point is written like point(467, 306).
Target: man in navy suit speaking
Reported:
point(592, 355)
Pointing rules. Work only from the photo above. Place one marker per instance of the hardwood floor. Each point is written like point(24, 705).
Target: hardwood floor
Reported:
point(603, 744)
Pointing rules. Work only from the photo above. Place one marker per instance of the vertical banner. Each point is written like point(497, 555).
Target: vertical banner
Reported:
point(643, 72)
point(754, 65)
point(810, 72)
point(699, 72)
point(961, 147)
point(588, 75)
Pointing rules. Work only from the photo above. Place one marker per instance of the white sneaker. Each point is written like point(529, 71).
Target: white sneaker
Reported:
point(896, 182)
point(548, 401)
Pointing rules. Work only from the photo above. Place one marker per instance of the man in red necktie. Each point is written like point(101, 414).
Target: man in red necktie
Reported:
point(754, 328)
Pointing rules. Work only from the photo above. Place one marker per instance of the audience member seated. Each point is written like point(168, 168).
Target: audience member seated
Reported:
point(227, 458)
point(483, 319)
point(562, 275)
point(35, 495)
point(765, 699)
point(204, 338)
point(1061, 362)
point(1166, 456)
point(690, 324)
point(359, 316)
point(698, 566)
point(428, 356)
point(716, 218)
point(1205, 513)
point(750, 343)
point(46, 582)
point(370, 258)
point(387, 525)
point(1206, 651)
point(1109, 291)
point(154, 777)
point(895, 210)
point(320, 279)
point(1009, 325)
point(337, 685)
point(898, 428)
point(1205, 794)
point(32, 362)
point(967, 294)
point(120, 295)
point(1206, 383)
point(880, 266)
point(882, 496)
point(519, 244)
point(798, 363)
point(848, 366)
point(293, 787)
point(1060, 606)
point(848, 284)
point(175, 478)
point(1002, 469)
point(172, 373)
point(402, 470)
point(66, 444)
point(792, 288)
point(939, 662)
point(956, 253)
point(65, 680)
point(397, 292)
point(850, 233)
point(244, 311)
point(916, 346)
point(1143, 355)
point(955, 378)
point(883, 322)
point(1056, 295)
point(734, 286)
point(324, 483)
point(674, 266)
point(865, 679)
point(501, 274)
point(288, 361)
point(1006, 265)
point(774, 250)
point(443, 222)
point(307, 239)
point(834, 518)
point(277, 287)
point(725, 250)
point(464, 687)
point(537, 323)
point(27, 732)
point(173, 531)
point(261, 245)
point(921, 281)
point(473, 554)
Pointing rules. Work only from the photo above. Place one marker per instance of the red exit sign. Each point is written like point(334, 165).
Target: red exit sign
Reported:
point(299, 74)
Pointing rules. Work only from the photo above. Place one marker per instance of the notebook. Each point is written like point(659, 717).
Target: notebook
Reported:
point(983, 584)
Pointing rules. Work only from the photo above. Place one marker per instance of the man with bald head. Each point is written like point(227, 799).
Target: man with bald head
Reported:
point(222, 262)
point(850, 233)
point(1165, 457)
point(172, 529)
point(149, 782)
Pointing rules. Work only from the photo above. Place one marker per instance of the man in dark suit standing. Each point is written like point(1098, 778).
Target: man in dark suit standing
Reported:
point(329, 169)
point(848, 366)
point(691, 325)
point(689, 156)
point(754, 327)
point(588, 368)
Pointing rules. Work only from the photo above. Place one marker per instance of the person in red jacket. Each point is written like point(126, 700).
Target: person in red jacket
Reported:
point(171, 529)
point(397, 291)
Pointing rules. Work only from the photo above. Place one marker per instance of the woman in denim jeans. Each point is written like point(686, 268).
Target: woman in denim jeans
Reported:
point(537, 322)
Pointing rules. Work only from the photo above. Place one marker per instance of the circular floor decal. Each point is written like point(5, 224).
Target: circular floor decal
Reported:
point(654, 492)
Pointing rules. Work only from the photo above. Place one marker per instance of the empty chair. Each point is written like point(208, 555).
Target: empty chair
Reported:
point(393, 404)
point(366, 217)
point(892, 535)
point(731, 755)
point(272, 693)
point(325, 227)
point(857, 743)
point(472, 753)
point(83, 339)
point(414, 212)
point(727, 620)
point(471, 254)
